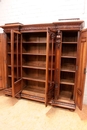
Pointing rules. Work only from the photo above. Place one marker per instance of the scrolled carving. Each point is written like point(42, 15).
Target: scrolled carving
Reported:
point(53, 35)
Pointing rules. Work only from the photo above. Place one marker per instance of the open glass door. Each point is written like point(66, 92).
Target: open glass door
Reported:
point(50, 58)
point(81, 69)
point(1, 62)
point(3, 71)
point(16, 62)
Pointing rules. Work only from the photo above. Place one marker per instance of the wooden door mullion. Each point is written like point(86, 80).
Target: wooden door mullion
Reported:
point(17, 56)
point(12, 60)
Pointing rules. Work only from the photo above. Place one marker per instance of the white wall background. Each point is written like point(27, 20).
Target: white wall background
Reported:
point(43, 11)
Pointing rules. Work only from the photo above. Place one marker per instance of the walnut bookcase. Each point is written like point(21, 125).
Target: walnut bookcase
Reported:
point(46, 62)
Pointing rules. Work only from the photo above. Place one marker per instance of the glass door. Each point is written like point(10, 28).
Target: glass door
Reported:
point(16, 62)
point(50, 60)
point(82, 55)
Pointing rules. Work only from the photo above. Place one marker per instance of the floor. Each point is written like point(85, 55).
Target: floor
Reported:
point(21, 114)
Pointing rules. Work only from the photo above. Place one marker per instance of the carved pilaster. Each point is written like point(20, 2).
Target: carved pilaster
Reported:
point(58, 39)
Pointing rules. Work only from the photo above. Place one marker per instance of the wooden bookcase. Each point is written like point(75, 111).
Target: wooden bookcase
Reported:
point(46, 62)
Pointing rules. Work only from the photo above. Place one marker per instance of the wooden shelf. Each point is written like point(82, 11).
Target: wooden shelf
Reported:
point(34, 67)
point(33, 53)
point(65, 95)
point(35, 89)
point(35, 42)
point(14, 53)
point(68, 68)
point(69, 55)
point(67, 81)
point(34, 37)
point(69, 42)
point(9, 42)
point(69, 50)
point(9, 76)
point(15, 77)
point(9, 53)
point(66, 100)
point(40, 79)
point(33, 94)
point(34, 48)
point(36, 54)
point(68, 64)
point(9, 66)
point(70, 36)
point(34, 64)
